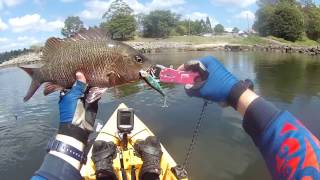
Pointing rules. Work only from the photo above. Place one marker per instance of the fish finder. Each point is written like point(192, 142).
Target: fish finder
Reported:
point(125, 120)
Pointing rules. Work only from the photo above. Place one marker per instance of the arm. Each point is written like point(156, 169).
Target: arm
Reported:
point(76, 122)
point(289, 149)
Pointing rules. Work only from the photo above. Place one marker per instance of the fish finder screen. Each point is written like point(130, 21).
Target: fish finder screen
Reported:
point(125, 118)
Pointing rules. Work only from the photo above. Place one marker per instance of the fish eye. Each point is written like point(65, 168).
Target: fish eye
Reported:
point(138, 59)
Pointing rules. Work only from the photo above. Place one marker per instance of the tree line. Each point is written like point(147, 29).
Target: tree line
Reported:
point(5, 56)
point(119, 20)
point(288, 19)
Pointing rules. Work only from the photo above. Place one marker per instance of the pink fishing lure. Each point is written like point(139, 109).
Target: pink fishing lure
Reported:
point(169, 75)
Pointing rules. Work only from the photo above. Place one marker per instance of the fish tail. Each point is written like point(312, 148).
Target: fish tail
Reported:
point(35, 83)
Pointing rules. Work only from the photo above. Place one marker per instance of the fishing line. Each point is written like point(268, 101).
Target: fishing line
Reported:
point(195, 135)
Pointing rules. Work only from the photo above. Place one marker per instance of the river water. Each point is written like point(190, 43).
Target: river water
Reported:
point(223, 149)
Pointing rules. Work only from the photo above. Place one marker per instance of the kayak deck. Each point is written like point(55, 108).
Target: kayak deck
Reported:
point(140, 132)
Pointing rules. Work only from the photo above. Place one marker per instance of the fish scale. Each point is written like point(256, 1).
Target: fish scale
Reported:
point(104, 62)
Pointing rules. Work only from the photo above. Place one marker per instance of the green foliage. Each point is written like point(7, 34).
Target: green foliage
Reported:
point(117, 8)
point(120, 22)
point(5, 56)
point(235, 30)
point(181, 30)
point(287, 22)
point(312, 22)
point(262, 23)
point(159, 23)
point(208, 26)
point(218, 29)
point(72, 25)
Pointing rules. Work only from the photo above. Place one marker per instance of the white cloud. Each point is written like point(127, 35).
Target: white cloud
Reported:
point(9, 3)
point(164, 4)
point(198, 16)
point(246, 15)
point(3, 26)
point(3, 40)
point(34, 22)
point(94, 9)
point(233, 3)
point(18, 43)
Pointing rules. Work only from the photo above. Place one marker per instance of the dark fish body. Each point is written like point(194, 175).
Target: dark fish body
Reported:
point(104, 62)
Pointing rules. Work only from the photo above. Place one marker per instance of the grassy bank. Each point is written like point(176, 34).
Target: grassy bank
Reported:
point(229, 39)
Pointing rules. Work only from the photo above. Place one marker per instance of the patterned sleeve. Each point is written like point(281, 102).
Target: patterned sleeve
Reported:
point(290, 150)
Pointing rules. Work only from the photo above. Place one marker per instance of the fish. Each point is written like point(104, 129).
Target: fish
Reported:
point(104, 62)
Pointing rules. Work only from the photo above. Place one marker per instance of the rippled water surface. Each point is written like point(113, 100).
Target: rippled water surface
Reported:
point(223, 149)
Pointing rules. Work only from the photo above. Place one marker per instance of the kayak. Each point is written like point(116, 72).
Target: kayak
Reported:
point(126, 161)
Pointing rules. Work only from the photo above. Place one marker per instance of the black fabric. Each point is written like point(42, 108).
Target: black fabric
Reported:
point(236, 91)
point(103, 154)
point(257, 117)
point(150, 176)
point(91, 112)
point(74, 131)
point(54, 168)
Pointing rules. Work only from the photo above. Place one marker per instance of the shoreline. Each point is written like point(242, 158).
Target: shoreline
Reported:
point(161, 46)
point(155, 47)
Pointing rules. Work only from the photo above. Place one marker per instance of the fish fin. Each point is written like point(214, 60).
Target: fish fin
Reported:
point(95, 93)
point(51, 87)
point(91, 33)
point(51, 46)
point(35, 84)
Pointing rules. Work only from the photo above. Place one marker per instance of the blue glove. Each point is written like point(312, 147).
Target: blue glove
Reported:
point(216, 82)
point(70, 105)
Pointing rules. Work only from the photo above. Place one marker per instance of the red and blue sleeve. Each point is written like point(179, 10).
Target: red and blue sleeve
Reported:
point(290, 150)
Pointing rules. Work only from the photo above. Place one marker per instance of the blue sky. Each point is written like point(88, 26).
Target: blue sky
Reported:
point(27, 22)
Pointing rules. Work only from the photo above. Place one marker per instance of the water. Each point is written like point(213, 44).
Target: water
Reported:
point(223, 151)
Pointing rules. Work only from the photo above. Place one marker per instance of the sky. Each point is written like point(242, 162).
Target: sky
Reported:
point(27, 22)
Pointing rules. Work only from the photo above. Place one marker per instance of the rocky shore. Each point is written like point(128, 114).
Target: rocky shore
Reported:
point(157, 47)
point(154, 47)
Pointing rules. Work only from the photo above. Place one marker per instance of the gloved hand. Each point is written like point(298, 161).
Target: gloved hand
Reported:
point(215, 81)
point(74, 109)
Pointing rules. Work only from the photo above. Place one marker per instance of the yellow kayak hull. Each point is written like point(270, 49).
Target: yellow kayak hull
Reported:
point(140, 132)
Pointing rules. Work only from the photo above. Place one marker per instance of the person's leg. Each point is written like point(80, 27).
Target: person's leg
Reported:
point(150, 153)
point(103, 154)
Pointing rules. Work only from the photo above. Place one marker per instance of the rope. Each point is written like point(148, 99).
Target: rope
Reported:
point(195, 135)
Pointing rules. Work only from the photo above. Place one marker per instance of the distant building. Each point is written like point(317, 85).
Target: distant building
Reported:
point(228, 30)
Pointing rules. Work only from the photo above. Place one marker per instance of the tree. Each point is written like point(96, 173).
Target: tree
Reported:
point(287, 22)
point(119, 21)
point(235, 30)
point(312, 23)
point(72, 25)
point(159, 23)
point(208, 25)
point(263, 19)
point(181, 30)
point(219, 29)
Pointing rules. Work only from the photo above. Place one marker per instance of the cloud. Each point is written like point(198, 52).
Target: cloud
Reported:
point(18, 43)
point(96, 8)
point(233, 3)
point(246, 15)
point(3, 40)
point(164, 4)
point(3, 26)
point(67, 1)
point(34, 22)
point(9, 3)
point(198, 16)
